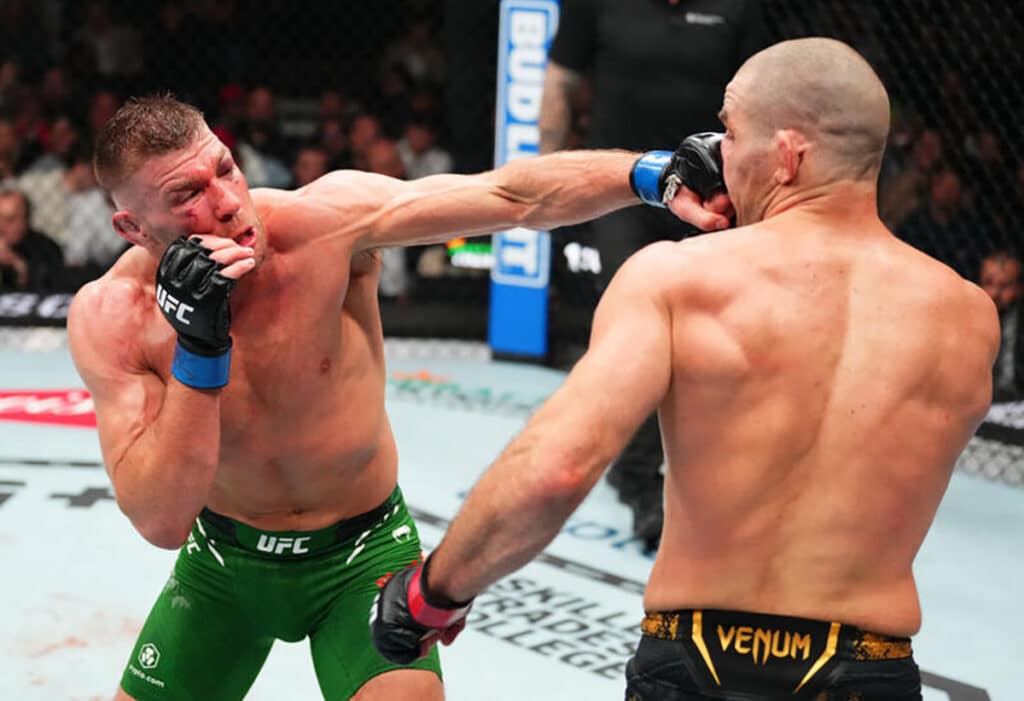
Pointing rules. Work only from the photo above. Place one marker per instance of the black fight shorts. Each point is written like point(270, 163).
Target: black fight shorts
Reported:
point(729, 655)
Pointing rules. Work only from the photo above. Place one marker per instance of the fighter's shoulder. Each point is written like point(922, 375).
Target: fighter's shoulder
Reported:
point(114, 302)
point(653, 266)
point(698, 259)
point(330, 185)
point(678, 272)
point(961, 301)
point(338, 192)
point(980, 310)
point(720, 244)
point(940, 279)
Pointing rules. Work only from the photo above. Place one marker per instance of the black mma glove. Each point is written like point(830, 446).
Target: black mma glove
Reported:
point(193, 297)
point(696, 164)
point(406, 621)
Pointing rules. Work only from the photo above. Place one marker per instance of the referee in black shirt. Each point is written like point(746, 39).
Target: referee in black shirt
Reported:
point(658, 69)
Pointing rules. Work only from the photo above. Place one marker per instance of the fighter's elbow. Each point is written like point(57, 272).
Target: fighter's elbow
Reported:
point(164, 530)
point(565, 484)
point(163, 535)
point(514, 198)
point(525, 212)
point(568, 477)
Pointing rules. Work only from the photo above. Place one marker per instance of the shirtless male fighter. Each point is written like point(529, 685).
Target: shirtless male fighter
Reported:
point(238, 377)
point(815, 378)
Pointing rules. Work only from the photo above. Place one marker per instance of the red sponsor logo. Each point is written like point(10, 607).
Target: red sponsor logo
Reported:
point(420, 376)
point(61, 407)
point(381, 581)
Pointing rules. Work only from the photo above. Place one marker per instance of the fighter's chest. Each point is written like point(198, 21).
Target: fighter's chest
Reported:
point(286, 329)
point(290, 294)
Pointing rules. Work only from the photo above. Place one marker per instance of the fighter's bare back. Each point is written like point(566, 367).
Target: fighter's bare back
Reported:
point(814, 365)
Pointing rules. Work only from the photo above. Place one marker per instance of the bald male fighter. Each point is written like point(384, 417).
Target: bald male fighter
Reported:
point(815, 378)
point(239, 379)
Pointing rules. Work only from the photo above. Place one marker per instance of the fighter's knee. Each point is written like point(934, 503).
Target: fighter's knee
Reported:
point(402, 683)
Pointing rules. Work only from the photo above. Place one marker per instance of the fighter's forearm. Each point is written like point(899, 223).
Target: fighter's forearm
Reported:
point(163, 480)
point(509, 517)
point(541, 193)
point(569, 186)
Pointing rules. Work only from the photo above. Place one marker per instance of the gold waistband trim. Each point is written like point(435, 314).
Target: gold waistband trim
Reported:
point(698, 639)
point(863, 645)
point(828, 654)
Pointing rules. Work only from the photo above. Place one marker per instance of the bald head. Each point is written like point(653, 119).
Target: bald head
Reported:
point(825, 90)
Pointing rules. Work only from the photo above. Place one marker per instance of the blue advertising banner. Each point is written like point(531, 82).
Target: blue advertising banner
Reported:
point(518, 318)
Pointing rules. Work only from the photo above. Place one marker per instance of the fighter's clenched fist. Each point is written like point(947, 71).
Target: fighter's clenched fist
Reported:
point(193, 283)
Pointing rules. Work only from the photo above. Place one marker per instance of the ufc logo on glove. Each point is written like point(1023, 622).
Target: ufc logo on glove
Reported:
point(172, 306)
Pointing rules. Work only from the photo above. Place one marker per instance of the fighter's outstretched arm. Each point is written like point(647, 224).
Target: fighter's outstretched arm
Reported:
point(541, 193)
point(525, 497)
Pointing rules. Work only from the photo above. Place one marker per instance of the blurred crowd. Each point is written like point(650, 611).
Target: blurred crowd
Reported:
point(65, 68)
point(952, 183)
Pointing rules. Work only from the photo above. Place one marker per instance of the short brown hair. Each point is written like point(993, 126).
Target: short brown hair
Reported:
point(144, 126)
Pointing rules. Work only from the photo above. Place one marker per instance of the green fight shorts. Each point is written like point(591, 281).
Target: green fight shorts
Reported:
point(236, 589)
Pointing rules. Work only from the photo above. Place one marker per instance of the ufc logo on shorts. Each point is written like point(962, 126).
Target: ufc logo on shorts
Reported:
point(280, 546)
point(172, 305)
